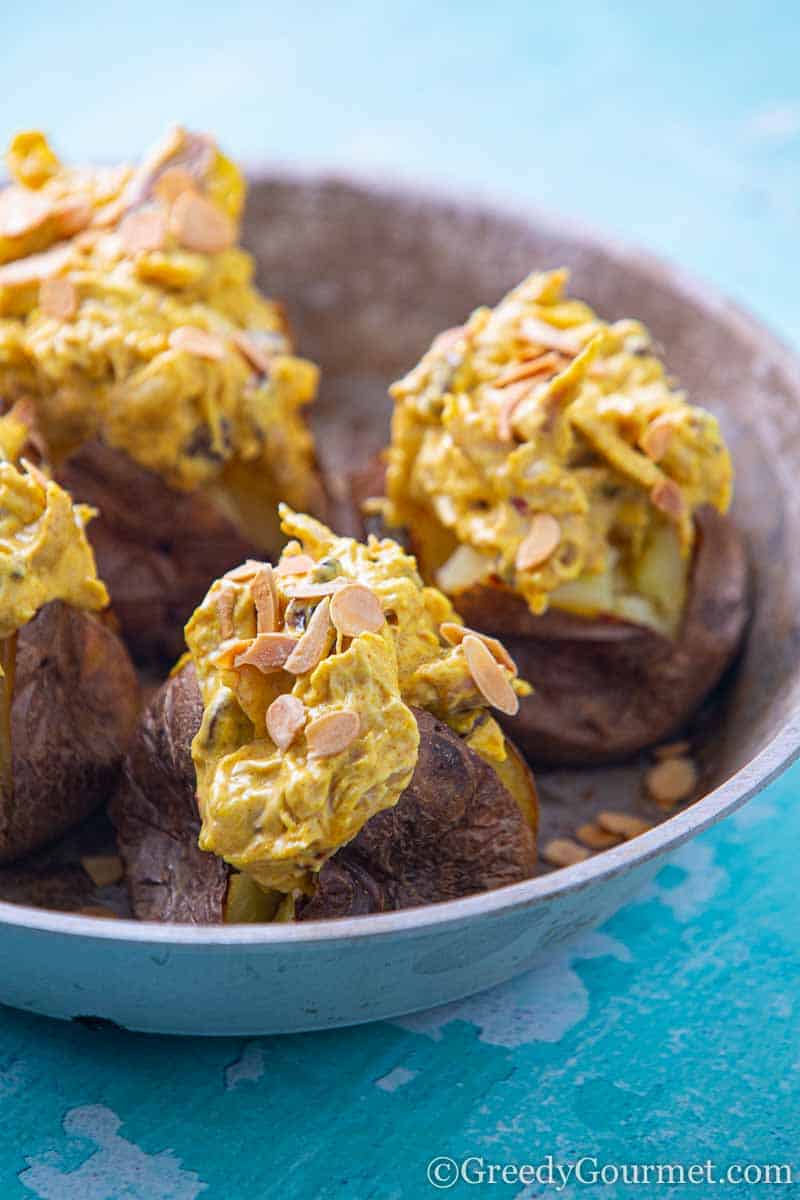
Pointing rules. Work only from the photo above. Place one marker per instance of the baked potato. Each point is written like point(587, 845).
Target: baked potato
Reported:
point(324, 750)
point(70, 717)
point(69, 696)
point(554, 483)
point(163, 384)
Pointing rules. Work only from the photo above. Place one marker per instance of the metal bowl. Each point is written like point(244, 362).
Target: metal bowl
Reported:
point(369, 275)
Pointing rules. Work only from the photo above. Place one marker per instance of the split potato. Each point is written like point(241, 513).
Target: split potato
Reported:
point(604, 688)
point(456, 829)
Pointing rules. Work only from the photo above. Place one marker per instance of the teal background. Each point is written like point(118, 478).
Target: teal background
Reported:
point(671, 1034)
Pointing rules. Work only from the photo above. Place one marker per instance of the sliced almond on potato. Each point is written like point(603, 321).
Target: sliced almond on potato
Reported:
point(455, 634)
point(313, 645)
point(198, 342)
point(265, 598)
point(541, 540)
point(58, 298)
point(332, 732)
point(489, 677)
point(286, 716)
point(295, 564)
point(22, 210)
point(199, 225)
point(144, 230)
point(267, 652)
point(356, 609)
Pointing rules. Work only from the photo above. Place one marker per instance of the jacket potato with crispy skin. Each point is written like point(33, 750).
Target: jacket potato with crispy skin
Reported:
point(325, 750)
point(554, 483)
point(163, 385)
point(455, 830)
point(69, 696)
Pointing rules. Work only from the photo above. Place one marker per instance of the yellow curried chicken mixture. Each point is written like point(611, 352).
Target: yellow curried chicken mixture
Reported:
point(44, 552)
point(307, 672)
point(128, 311)
point(541, 449)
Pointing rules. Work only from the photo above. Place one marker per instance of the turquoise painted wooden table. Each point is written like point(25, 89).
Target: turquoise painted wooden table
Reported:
point(671, 1035)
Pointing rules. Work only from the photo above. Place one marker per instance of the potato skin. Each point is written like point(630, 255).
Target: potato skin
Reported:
point(605, 689)
point(157, 549)
point(169, 877)
point(455, 830)
point(74, 710)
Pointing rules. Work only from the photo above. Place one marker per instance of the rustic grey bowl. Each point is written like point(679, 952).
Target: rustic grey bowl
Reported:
point(369, 275)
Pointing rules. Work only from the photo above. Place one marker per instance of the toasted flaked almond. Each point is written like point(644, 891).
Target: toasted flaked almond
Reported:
point(103, 869)
point(356, 609)
point(250, 349)
point(455, 634)
point(549, 338)
point(200, 225)
point(315, 642)
point(58, 298)
point(672, 750)
point(172, 183)
point(490, 679)
point(35, 267)
point(295, 564)
point(511, 398)
point(623, 824)
point(144, 230)
point(332, 732)
point(98, 910)
point(197, 341)
point(308, 590)
point(226, 601)
point(539, 543)
point(22, 210)
point(656, 438)
point(286, 716)
point(672, 780)
point(596, 838)
point(543, 364)
point(72, 217)
point(245, 572)
point(563, 852)
point(668, 498)
point(265, 598)
point(267, 652)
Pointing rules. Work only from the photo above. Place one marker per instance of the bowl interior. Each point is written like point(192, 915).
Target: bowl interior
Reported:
point(370, 275)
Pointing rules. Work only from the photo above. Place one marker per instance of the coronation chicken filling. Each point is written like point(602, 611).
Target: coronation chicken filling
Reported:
point(307, 673)
point(540, 449)
point(128, 311)
point(44, 551)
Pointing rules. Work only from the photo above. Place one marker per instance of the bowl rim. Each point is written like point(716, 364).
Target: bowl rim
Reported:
point(770, 762)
